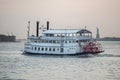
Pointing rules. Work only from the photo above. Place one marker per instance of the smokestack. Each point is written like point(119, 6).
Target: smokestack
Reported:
point(37, 29)
point(47, 25)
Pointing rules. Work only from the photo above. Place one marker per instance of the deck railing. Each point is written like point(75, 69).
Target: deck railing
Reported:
point(67, 38)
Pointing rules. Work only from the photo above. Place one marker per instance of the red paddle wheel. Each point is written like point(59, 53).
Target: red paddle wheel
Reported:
point(92, 47)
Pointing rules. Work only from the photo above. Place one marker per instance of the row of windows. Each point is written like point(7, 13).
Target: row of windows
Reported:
point(52, 41)
point(71, 35)
point(45, 49)
point(61, 35)
point(56, 41)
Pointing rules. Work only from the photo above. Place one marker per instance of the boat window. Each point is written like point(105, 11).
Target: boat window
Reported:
point(45, 49)
point(35, 40)
point(42, 41)
point(74, 34)
point(61, 49)
point(50, 41)
point(31, 40)
point(57, 49)
point(62, 35)
point(49, 49)
point(53, 49)
point(53, 41)
point(42, 49)
point(46, 41)
point(58, 35)
point(74, 41)
point(78, 34)
point(70, 34)
point(38, 48)
point(67, 34)
point(51, 35)
point(47, 34)
point(39, 41)
point(69, 41)
point(65, 41)
point(35, 48)
point(58, 41)
point(55, 34)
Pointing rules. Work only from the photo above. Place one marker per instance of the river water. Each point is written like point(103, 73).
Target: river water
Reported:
point(17, 66)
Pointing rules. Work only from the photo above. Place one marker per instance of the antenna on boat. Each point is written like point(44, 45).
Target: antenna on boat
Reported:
point(28, 28)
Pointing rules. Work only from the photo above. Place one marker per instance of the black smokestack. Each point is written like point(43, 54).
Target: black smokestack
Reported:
point(37, 29)
point(47, 25)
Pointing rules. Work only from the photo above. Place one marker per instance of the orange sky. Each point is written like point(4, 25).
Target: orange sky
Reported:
point(104, 14)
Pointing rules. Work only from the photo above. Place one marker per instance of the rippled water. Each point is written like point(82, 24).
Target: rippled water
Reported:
point(17, 66)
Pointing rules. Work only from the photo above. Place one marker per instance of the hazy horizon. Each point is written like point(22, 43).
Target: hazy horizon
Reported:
point(104, 14)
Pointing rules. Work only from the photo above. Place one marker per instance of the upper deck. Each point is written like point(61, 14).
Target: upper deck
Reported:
point(64, 34)
point(66, 31)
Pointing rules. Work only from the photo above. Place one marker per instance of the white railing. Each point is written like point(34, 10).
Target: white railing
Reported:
point(67, 38)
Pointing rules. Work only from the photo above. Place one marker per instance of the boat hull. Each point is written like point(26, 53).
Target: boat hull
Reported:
point(82, 53)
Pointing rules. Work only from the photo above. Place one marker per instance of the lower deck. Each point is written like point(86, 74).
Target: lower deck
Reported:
point(62, 48)
point(52, 49)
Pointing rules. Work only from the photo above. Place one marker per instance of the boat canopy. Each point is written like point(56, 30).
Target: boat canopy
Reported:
point(66, 31)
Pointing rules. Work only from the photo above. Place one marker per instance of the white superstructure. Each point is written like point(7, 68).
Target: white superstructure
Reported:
point(58, 41)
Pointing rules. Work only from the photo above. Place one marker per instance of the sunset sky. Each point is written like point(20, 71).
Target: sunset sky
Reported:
point(104, 14)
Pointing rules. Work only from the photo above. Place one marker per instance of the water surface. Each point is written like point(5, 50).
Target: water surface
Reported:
point(17, 66)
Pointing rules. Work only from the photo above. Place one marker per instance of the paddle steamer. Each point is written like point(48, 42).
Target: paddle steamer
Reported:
point(61, 41)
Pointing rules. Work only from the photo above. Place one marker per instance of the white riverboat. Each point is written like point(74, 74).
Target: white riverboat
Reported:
point(62, 41)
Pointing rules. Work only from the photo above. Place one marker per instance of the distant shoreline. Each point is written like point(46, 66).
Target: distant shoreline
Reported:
point(109, 39)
